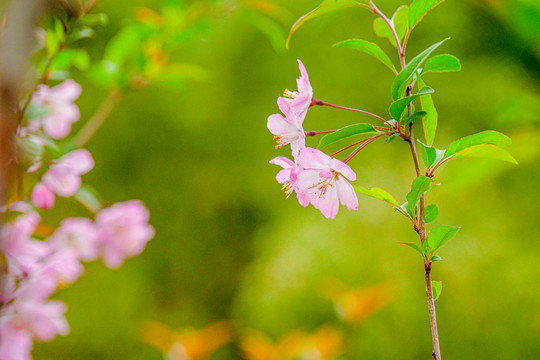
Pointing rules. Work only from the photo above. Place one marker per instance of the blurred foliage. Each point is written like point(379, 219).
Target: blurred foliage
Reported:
point(230, 246)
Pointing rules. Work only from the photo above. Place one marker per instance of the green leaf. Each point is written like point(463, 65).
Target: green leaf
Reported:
point(415, 116)
point(419, 8)
point(408, 71)
point(377, 193)
point(436, 258)
point(415, 246)
point(391, 138)
point(430, 155)
point(67, 58)
point(429, 123)
point(35, 111)
point(487, 151)
point(398, 20)
point(437, 289)
point(89, 198)
point(430, 213)
point(94, 19)
point(325, 7)
point(442, 63)
point(397, 107)
point(346, 132)
point(370, 49)
point(419, 186)
point(440, 235)
point(484, 137)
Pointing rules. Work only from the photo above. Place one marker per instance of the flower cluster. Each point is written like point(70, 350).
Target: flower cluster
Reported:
point(315, 177)
point(36, 258)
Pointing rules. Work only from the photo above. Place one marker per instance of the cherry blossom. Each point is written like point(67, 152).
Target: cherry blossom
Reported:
point(62, 112)
point(42, 196)
point(123, 231)
point(287, 129)
point(288, 176)
point(323, 181)
point(78, 234)
point(64, 176)
point(301, 100)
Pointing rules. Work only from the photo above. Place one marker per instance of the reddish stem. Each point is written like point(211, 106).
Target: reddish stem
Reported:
point(363, 145)
point(323, 103)
point(313, 133)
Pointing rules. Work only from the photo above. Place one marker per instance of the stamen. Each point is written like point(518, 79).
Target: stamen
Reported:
point(289, 94)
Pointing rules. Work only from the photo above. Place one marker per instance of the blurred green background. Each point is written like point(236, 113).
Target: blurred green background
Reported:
point(230, 246)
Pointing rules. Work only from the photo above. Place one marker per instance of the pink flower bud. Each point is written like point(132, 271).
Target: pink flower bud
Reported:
point(42, 196)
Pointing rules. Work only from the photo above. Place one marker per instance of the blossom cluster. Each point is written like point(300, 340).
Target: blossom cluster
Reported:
point(315, 177)
point(36, 261)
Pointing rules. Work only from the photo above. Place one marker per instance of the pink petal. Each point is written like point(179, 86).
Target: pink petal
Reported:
point(283, 162)
point(328, 203)
point(79, 160)
point(67, 91)
point(347, 195)
point(278, 125)
point(63, 180)
point(57, 127)
point(343, 169)
point(310, 158)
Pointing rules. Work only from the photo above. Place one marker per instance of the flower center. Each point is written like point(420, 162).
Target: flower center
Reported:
point(287, 187)
point(322, 186)
point(290, 94)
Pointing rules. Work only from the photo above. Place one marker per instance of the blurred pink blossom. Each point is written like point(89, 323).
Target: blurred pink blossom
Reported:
point(42, 196)
point(78, 234)
point(15, 344)
point(123, 231)
point(64, 176)
point(323, 181)
point(59, 100)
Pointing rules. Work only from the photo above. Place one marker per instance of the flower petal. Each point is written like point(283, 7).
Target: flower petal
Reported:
point(343, 169)
point(347, 195)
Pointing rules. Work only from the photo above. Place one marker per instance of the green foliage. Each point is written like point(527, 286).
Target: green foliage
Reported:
point(377, 193)
point(431, 212)
point(415, 246)
point(442, 63)
point(439, 236)
point(419, 186)
point(417, 115)
point(486, 151)
point(408, 71)
point(436, 258)
point(484, 137)
point(398, 107)
point(398, 21)
point(325, 7)
point(346, 132)
point(89, 198)
point(368, 48)
point(429, 122)
point(430, 155)
point(437, 289)
point(419, 8)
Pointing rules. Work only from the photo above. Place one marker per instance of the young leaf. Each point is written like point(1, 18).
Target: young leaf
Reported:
point(415, 116)
point(440, 235)
point(430, 213)
point(429, 154)
point(377, 193)
point(346, 132)
point(484, 137)
point(415, 246)
point(429, 123)
point(419, 186)
point(487, 151)
point(325, 7)
point(408, 71)
point(89, 198)
point(419, 8)
point(442, 63)
point(436, 258)
point(398, 20)
point(397, 107)
point(437, 289)
point(370, 49)
point(391, 138)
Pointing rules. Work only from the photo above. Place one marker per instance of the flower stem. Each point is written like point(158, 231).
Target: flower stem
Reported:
point(313, 133)
point(365, 143)
point(102, 113)
point(323, 103)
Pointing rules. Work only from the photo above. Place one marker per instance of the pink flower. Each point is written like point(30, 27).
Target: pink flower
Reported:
point(15, 344)
point(301, 99)
point(42, 196)
point(78, 234)
point(323, 181)
point(288, 129)
point(64, 176)
point(123, 231)
point(22, 253)
point(59, 100)
point(288, 176)
point(42, 319)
